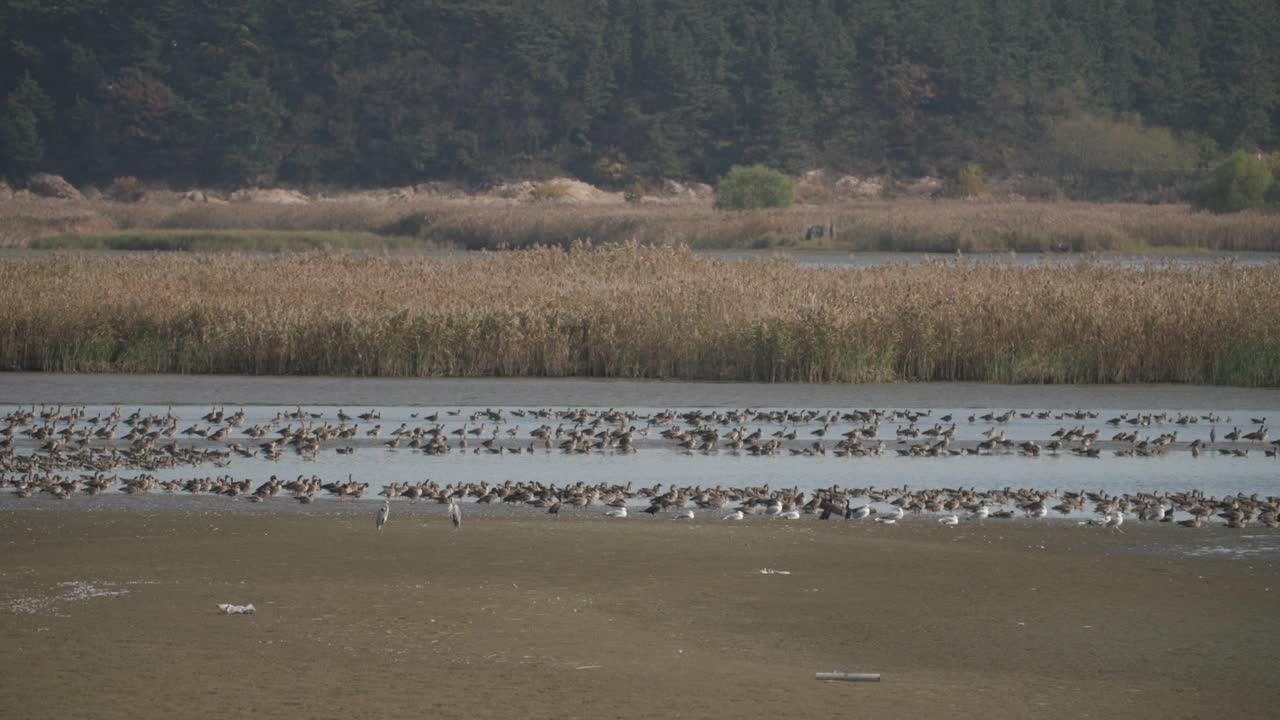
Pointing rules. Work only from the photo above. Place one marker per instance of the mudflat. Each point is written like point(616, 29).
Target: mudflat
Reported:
point(114, 615)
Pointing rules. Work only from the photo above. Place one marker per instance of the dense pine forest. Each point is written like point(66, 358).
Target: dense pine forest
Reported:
point(389, 92)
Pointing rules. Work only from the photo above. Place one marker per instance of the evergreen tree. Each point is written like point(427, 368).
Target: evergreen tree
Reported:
point(26, 108)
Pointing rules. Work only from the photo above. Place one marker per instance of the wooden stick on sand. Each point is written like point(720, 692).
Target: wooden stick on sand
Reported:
point(849, 677)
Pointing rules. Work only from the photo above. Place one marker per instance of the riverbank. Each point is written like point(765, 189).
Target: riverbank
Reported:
point(595, 618)
point(401, 221)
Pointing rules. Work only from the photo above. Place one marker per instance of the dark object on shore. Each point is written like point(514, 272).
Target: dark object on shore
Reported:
point(818, 231)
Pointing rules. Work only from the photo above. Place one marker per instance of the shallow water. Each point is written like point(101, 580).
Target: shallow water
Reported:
point(836, 258)
point(659, 461)
point(235, 390)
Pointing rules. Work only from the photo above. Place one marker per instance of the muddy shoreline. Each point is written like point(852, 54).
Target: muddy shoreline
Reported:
point(113, 615)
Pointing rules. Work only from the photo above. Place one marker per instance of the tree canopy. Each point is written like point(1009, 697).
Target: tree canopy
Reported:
point(381, 92)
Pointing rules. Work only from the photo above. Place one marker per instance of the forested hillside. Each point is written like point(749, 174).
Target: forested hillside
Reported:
point(386, 92)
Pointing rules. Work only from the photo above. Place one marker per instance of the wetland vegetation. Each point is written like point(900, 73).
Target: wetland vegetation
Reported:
point(918, 225)
point(640, 312)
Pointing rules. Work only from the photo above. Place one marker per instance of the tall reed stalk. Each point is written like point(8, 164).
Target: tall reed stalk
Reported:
point(641, 312)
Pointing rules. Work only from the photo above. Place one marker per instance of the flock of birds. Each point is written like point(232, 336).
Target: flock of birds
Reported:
point(153, 440)
point(886, 506)
point(65, 452)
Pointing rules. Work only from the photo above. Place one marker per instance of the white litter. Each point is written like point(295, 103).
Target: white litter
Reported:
point(767, 571)
point(229, 609)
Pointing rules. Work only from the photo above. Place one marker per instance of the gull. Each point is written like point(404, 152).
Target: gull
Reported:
point(949, 520)
point(858, 513)
point(896, 513)
point(455, 514)
point(383, 512)
point(683, 515)
point(1115, 520)
point(619, 513)
point(789, 515)
point(982, 513)
point(886, 520)
point(774, 508)
point(735, 515)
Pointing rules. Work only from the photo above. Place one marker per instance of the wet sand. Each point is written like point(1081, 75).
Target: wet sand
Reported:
point(112, 615)
point(116, 389)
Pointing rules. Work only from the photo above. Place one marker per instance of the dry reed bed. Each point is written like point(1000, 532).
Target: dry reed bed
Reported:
point(908, 224)
point(628, 311)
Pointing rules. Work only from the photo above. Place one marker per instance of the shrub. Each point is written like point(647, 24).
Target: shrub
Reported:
point(1273, 164)
point(1090, 144)
point(549, 191)
point(754, 186)
point(1239, 183)
point(126, 189)
point(634, 193)
point(611, 168)
point(967, 183)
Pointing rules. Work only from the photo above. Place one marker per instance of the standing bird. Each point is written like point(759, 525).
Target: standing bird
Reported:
point(383, 512)
point(1116, 520)
point(858, 513)
point(455, 514)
